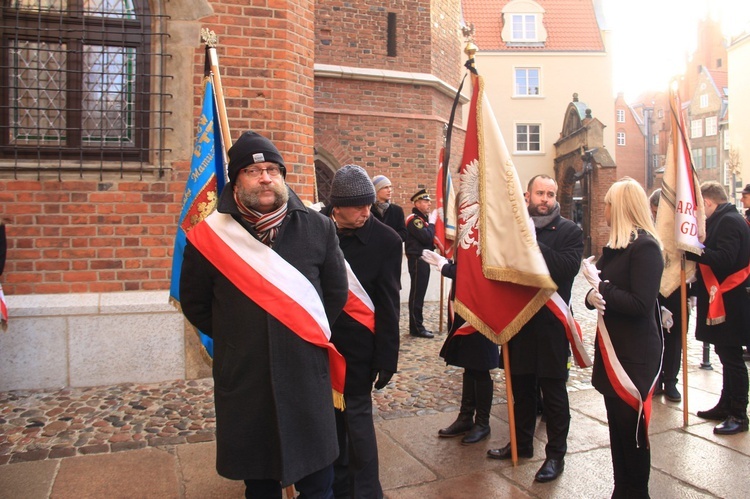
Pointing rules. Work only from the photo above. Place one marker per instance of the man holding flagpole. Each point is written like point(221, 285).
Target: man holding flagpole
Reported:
point(723, 316)
point(539, 352)
point(264, 277)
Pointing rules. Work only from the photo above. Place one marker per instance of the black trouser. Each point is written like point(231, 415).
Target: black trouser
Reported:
point(631, 462)
point(356, 469)
point(419, 272)
point(672, 341)
point(556, 412)
point(735, 385)
point(318, 485)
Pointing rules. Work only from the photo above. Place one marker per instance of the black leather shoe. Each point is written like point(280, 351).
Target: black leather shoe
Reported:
point(550, 470)
point(731, 426)
point(423, 334)
point(459, 427)
point(717, 413)
point(504, 453)
point(477, 433)
point(672, 394)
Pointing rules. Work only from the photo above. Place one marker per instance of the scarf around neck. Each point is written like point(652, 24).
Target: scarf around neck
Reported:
point(541, 221)
point(265, 224)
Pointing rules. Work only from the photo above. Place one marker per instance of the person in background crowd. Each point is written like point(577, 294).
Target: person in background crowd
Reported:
point(723, 316)
point(671, 332)
point(370, 345)
point(420, 236)
point(260, 254)
point(539, 352)
point(625, 287)
point(478, 355)
point(746, 205)
point(384, 210)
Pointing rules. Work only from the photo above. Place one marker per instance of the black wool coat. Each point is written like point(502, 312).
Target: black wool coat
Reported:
point(630, 287)
point(374, 254)
point(272, 389)
point(393, 217)
point(727, 251)
point(541, 347)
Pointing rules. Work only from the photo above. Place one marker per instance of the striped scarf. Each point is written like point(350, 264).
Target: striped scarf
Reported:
point(265, 224)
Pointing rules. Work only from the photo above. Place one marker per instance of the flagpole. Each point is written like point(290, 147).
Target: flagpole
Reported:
point(683, 327)
point(210, 39)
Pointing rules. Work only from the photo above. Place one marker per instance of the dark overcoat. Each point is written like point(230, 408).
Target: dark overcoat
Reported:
point(541, 347)
point(393, 217)
point(420, 234)
point(727, 251)
point(272, 389)
point(630, 287)
point(471, 351)
point(374, 254)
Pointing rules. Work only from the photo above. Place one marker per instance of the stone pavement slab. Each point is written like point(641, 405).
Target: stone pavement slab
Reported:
point(31, 480)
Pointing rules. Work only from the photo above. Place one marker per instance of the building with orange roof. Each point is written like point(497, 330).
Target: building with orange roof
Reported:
point(534, 55)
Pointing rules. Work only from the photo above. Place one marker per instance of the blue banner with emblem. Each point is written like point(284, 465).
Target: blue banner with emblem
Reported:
point(202, 189)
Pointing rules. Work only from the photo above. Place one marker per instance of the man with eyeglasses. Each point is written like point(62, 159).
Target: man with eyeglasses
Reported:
point(384, 210)
point(265, 278)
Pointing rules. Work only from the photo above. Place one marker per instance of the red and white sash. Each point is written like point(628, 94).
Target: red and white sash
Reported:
point(561, 310)
point(716, 313)
point(621, 382)
point(359, 305)
point(3, 311)
point(272, 283)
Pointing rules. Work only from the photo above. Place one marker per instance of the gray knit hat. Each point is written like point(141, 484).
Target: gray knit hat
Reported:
point(352, 187)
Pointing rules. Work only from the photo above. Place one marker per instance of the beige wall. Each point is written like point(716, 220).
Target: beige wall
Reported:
point(739, 104)
point(562, 74)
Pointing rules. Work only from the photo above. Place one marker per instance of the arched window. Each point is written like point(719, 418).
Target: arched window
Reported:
point(78, 83)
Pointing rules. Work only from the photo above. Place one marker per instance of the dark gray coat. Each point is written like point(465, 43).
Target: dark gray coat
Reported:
point(274, 406)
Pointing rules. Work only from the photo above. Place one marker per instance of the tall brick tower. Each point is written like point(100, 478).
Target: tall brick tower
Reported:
point(385, 79)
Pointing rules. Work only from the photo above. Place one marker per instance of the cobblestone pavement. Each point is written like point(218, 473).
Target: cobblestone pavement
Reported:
point(37, 425)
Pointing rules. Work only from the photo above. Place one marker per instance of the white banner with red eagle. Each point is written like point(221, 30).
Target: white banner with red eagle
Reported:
point(681, 219)
point(501, 277)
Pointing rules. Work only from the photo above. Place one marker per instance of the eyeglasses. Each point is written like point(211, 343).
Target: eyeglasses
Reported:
point(253, 172)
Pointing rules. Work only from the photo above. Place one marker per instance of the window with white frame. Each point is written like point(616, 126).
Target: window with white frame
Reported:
point(655, 139)
point(660, 113)
point(621, 116)
point(698, 158)
point(711, 126)
point(620, 138)
point(711, 157)
point(655, 162)
point(523, 27)
point(696, 129)
point(528, 137)
point(704, 100)
point(527, 81)
point(726, 140)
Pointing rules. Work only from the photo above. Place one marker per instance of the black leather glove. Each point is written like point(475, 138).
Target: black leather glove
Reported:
point(382, 376)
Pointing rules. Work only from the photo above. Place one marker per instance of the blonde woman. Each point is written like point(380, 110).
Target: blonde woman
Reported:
point(627, 361)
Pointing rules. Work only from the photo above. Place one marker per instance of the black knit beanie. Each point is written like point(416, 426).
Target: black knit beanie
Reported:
point(249, 149)
point(352, 187)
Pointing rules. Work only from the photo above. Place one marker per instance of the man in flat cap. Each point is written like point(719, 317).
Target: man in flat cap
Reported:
point(420, 236)
point(367, 332)
point(265, 278)
point(384, 210)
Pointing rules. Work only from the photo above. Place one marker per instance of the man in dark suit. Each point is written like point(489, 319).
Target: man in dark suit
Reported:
point(723, 304)
point(539, 352)
point(369, 344)
point(384, 210)
point(420, 236)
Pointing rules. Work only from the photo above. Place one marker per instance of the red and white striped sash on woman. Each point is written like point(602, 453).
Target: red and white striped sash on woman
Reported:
point(3, 311)
point(621, 382)
point(272, 283)
point(561, 310)
point(359, 305)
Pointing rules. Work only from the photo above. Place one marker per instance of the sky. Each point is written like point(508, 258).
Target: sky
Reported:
point(652, 38)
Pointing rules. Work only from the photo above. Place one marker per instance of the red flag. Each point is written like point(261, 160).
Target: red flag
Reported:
point(502, 279)
point(680, 220)
point(445, 225)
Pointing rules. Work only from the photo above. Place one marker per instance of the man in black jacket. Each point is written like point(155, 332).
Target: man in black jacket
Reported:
point(275, 421)
point(384, 210)
point(723, 316)
point(366, 334)
point(539, 352)
point(420, 236)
